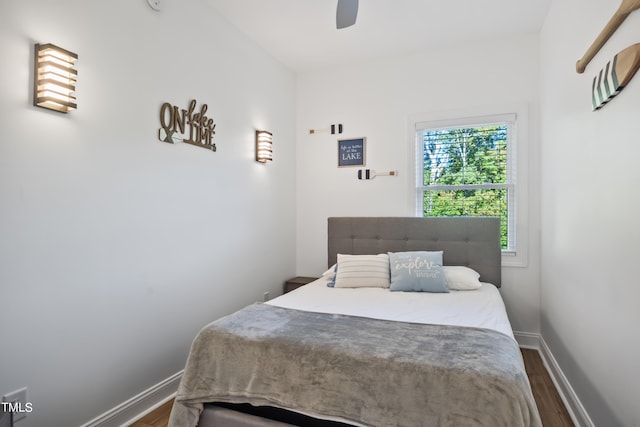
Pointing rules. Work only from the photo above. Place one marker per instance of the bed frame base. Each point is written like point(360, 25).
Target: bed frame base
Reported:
point(245, 415)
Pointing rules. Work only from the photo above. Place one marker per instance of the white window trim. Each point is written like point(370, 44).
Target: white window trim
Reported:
point(519, 257)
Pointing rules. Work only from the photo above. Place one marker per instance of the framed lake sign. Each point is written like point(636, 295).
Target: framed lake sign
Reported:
point(351, 152)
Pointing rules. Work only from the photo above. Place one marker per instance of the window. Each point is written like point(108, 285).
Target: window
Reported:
point(466, 166)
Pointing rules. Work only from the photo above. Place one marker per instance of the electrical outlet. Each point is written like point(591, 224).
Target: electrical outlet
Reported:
point(266, 296)
point(16, 402)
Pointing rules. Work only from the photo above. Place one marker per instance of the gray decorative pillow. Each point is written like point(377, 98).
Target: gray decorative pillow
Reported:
point(418, 271)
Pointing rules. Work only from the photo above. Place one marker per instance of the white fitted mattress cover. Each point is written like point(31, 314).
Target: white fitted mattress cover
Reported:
point(480, 308)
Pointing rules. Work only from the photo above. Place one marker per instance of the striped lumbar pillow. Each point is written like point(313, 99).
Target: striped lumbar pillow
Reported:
point(362, 271)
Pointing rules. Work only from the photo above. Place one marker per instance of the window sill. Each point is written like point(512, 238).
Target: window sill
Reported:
point(514, 259)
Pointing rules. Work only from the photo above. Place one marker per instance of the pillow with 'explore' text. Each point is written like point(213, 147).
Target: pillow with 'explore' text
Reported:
point(417, 271)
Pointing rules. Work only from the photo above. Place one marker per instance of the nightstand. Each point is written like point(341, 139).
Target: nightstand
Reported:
point(296, 282)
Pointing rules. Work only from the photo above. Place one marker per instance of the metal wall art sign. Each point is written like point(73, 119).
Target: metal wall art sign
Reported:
point(187, 125)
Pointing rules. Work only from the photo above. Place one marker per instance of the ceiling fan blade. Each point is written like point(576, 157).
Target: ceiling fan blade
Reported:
point(346, 13)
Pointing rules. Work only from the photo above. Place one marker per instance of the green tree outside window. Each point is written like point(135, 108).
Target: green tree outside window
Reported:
point(466, 173)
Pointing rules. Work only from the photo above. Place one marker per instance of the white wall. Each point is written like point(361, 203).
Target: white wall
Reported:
point(376, 100)
point(116, 248)
point(590, 211)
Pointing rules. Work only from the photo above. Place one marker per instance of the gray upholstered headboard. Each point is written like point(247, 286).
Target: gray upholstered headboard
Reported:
point(470, 241)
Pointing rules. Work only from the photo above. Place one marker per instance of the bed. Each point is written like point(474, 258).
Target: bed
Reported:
point(348, 349)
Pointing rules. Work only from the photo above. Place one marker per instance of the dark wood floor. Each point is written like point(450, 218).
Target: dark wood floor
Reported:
point(157, 418)
point(552, 410)
point(550, 406)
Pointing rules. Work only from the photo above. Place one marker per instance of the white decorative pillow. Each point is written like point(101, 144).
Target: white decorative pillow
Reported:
point(461, 278)
point(330, 272)
point(330, 275)
point(362, 271)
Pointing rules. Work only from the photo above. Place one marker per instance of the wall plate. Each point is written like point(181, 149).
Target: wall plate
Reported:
point(155, 4)
point(18, 397)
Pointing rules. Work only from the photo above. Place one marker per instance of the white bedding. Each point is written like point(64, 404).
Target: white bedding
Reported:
point(481, 308)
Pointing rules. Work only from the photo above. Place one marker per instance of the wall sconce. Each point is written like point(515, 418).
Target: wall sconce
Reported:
point(263, 146)
point(55, 78)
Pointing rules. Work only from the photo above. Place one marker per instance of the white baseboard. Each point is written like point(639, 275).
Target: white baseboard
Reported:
point(571, 401)
point(138, 406)
point(576, 410)
point(528, 340)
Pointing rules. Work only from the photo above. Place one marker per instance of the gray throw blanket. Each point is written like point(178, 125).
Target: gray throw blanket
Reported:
point(366, 371)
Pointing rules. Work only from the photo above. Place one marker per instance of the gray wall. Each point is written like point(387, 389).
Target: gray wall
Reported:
point(116, 248)
point(589, 215)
